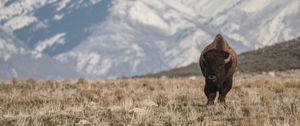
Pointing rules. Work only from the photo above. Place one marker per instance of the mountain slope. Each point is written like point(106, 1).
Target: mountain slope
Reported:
point(112, 38)
point(54, 26)
point(144, 36)
point(278, 57)
point(16, 60)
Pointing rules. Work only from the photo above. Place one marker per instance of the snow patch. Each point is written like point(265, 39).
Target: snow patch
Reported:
point(180, 7)
point(6, 50)
point(20, 8)
point(36, 54)
point(19, 22)
point(142, 13)
point(95, 1)
point(40, 25)
point(252, 6)
point(90, 63)
point(56, 39)
point(58, 17)
point(292, 8)
point(62, 4)
point(7, 47)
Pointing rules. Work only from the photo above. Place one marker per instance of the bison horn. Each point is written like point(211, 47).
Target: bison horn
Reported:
point(227, 59)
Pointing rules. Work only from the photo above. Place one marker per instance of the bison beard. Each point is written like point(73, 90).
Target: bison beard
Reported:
point(218, 63)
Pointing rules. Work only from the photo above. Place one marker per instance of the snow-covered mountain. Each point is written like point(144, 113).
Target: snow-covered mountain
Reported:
point(51, 26)
point(16, 60)
point(110, 38)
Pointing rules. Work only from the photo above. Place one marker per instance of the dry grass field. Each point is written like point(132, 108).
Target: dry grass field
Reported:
point(258, 100)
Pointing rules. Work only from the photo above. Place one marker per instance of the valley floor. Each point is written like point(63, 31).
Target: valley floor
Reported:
point(265, 99)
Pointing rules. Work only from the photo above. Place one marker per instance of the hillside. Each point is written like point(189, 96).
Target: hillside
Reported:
point(17, 60)
point(278, 57)
point(282, 56)
point(113, 38)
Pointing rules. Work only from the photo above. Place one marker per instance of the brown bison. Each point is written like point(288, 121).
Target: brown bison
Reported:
point(218, 63)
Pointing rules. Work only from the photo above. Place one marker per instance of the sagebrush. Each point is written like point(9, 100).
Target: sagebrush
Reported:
point(264, 99)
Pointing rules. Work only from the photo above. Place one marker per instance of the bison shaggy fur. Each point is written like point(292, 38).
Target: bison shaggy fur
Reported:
point(218, 63)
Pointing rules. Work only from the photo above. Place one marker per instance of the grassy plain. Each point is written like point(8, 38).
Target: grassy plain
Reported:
point(261, 100)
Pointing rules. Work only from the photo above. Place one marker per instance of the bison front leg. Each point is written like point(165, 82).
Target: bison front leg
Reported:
point(225, 89)
point(210, 93)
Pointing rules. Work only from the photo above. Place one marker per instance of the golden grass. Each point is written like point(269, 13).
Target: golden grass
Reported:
point(260, 100)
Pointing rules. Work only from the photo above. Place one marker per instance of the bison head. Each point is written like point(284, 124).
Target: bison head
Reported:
point(216, 64)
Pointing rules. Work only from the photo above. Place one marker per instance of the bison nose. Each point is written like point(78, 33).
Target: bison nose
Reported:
point(212, 78)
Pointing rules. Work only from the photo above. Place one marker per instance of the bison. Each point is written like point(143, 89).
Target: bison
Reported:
point(218, 63)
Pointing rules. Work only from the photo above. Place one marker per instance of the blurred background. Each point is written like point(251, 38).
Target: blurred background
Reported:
point(100, 39)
